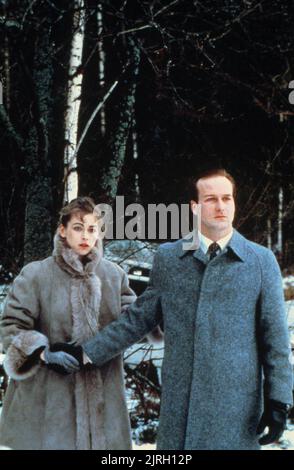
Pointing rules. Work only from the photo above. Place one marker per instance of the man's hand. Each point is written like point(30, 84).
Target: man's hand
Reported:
point(60, 361)
point(275, 418)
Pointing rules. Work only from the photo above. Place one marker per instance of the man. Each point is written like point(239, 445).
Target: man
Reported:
point(226, 360)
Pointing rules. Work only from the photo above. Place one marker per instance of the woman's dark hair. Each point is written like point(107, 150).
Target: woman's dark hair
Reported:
point(79, 207)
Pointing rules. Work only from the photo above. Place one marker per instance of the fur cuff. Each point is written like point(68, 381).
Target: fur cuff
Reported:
point(20, 362)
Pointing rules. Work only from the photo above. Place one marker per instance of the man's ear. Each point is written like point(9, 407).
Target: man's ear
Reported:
point(194, 207)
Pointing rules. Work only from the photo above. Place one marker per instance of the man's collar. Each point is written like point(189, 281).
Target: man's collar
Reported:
point(206, 242)
point(237, 245)
point(190, 243)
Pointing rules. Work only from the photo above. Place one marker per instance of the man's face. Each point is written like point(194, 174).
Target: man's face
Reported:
point(215, 195)
point(81, 235)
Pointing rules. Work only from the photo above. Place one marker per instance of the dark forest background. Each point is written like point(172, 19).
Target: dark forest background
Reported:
point(186, 86)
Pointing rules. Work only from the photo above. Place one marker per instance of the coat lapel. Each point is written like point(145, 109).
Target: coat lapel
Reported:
point(236, 246)
point(191, 244)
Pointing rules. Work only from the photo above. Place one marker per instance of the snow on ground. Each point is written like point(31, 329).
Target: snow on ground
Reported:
point(144, 446)
point(3, 292)
point(286, 443)
point(288, 281)
point(290, 318)
point(290, 312)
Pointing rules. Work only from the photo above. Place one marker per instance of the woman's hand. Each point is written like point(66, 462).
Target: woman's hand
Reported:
point(60, 361)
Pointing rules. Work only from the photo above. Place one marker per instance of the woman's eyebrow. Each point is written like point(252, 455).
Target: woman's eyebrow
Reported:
point(81, 224)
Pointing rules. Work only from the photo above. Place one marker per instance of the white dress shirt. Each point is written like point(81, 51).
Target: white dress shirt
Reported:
point(222, 242)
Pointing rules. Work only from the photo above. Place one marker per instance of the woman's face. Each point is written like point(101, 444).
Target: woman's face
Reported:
point(81, 234)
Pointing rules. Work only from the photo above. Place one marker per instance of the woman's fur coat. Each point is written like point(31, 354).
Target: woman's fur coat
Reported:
point(60, 300)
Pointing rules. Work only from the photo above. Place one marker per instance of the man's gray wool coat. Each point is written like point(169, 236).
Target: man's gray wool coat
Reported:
point(59, 300)
point(225, 329)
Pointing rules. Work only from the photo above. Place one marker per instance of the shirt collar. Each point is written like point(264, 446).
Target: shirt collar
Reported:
point(237, 245)
point(222, 242)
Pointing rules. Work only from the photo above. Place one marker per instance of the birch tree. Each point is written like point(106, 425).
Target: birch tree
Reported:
point(73, 103)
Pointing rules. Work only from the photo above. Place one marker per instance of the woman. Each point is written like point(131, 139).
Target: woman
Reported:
point(66, 297)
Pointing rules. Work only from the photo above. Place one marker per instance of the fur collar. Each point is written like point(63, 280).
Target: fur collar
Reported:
point(69, 261)
point(85, 301)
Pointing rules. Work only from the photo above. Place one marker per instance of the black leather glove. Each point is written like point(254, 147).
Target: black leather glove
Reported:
point(275, 418)
point(60, 361)
point(73, 350)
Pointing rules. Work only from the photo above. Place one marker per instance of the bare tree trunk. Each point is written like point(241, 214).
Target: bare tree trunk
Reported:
point(118, 142)
point(38, 216)
point(73, 103)
point(135, 157)
point(101, 65)
point(89, 142)
point(7, 74)
point(280, 223)
point(46, 79)
point(269, 233)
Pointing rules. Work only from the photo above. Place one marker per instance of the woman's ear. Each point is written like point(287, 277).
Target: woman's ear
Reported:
point(61, 231)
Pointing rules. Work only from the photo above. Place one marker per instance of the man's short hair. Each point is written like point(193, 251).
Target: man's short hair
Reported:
point(208, 174)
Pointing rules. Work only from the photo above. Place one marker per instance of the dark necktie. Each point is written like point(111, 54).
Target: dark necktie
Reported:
point(212, 250)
